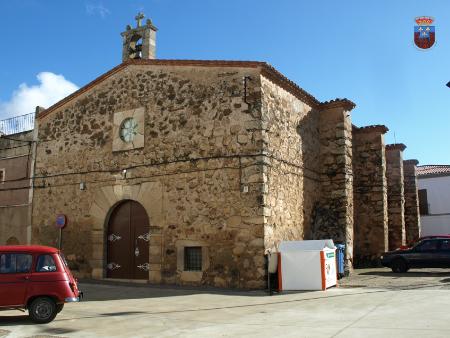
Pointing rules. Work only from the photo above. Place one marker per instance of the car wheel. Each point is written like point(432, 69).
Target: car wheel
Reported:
point(399, 266)
point(42, 310)
point(59, 307)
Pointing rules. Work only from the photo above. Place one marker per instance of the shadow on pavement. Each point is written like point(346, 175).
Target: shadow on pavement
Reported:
point(19, 319)
point(56, 330)
point(25, 320)
point(407, 274)
point(106, 290)
point(128, 313)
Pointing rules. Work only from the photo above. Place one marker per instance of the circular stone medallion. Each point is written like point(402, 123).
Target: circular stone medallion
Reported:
point(128, 130)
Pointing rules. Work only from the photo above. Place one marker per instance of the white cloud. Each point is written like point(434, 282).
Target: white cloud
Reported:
point(51, 88)
point(99, 9)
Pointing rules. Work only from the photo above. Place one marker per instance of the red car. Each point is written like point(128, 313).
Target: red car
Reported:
point(37, 279)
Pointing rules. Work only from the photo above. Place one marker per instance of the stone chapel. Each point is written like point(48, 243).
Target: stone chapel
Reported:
point(189, 171)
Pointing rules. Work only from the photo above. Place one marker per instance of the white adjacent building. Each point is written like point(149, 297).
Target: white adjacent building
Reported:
point(434, 199)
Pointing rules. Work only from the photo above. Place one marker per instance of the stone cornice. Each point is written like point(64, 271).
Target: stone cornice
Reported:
point(376, 128)
point(411, 162)
point(396, 146)
point(338, 103)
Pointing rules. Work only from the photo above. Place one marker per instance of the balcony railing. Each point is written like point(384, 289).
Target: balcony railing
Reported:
point(17, 124)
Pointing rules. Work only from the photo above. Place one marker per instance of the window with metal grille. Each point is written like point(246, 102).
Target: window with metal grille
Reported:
point(193, 258)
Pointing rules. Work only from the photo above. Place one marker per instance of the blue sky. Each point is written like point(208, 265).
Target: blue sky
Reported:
point(356, 49)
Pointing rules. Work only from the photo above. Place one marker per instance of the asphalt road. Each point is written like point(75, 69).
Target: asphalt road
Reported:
point(372, 303)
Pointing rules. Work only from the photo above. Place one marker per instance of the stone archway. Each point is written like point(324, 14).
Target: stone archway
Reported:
point(12, 241)
point(104, 199)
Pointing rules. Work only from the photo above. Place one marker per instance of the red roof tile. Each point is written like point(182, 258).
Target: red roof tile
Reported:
point(266, 70)
point(433, 169)
point(345, 103)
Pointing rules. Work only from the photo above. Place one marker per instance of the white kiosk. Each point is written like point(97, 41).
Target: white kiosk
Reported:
point(307, 265)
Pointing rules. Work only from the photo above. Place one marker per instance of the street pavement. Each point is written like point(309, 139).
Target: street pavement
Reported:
point(371, 303)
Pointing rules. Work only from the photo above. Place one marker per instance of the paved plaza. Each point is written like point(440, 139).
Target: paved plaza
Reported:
point(372, 303)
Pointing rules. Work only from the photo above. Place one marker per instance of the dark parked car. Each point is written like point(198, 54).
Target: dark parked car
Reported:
point(36, 278)
point(417, 240)
point(427, 253)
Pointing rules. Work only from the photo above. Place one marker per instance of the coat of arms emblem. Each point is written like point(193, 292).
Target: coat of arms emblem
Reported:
point(424, 33)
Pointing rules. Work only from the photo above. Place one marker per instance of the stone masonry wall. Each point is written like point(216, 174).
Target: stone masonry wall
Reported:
point(199, 175)
point(333, 216)
point(370, 195)
point(412, 215)
point(14, 223)
point(396, 199)
point(291, 135)
point(16, 163)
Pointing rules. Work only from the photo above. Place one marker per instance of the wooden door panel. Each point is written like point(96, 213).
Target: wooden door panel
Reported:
point(128, 242)
point(119, 260)
point(141, 261)
point(138, 214)
point(140, 225)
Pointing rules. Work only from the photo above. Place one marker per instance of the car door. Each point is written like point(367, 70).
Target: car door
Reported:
point(444, 253)
point(46, 275)
point(426, 254)
point(15, 269)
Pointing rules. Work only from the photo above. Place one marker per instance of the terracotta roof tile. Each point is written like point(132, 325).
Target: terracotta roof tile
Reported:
point(266, 70)
point(80, 91)
point(345, 103)
point(274, 75)
point(433, 169)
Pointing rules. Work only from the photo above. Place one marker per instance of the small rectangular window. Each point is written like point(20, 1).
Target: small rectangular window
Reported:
point(15, 263)
point(2, 175)
point(423, 202)
point(45, 263)
point(193, 258)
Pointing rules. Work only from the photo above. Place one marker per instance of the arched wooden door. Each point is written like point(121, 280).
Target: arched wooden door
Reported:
point(128, 240)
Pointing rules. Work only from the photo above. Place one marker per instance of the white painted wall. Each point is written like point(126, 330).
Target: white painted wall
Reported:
point(435, 225)
point(438, 193)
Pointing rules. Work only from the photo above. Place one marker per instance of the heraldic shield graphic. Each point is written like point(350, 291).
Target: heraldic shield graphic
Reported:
point(424, 33)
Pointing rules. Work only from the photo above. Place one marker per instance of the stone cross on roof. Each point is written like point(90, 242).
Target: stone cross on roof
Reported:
point(138, 19)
